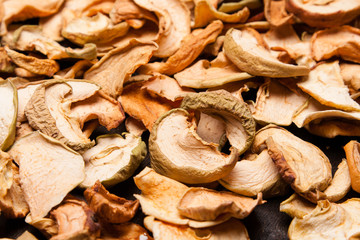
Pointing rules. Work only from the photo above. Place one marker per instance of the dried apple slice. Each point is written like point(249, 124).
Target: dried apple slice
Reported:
point(5, 62)
point(12, 202)
point(205, 74)
point(127, 9)
point(248, 51)
point(9, 108)
point(206, 204)
point(232, 229)
point(109, 207)
point(349, 73)
point(35, 65)
point(128, 230)
point(48, 171)
point(205, 13)
point(113, 159)
point(296, 206)
point(301, 164)
point(134, 126)
point(174, 24)
point(327, 13)
point(275, 13)
point(47, 111)
point(95, 29)
point(326, 85)
point(191, 47)
point(250, 177)
point(276, 103)
point(160, 196)
point(228, 7)
point(340, 184)
point(352, 151)
point(328, 221)
point(341, 41)
point(116, 66)
point(239, 124)
point(212, 129)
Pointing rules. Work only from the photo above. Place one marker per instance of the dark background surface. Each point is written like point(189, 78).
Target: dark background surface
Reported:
point(265, 222)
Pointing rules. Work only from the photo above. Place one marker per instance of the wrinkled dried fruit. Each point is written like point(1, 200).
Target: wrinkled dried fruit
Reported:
point(9, 106)
point(340, 184)
point(46, 185)
point(113, 159)
point(352, 150)
point(275, 13)
point(211, 129)
point(126, 231)
point(109, 207)
point(296, 206)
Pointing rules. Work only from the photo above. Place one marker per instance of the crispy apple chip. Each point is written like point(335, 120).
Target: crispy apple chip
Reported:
point(248, 51)
point(127, 9)
point(301, 164)
point(25, 91)
point(18, 10)
point(113, 159)
point(139, 104)
point(326, 85)
point(48, 171)
point(205, 74)
point(324, 13)
point(160, 196)
point(134, 126)
point(341, 41)
point(352, 150)
point(95, 29)
point(296, 206)
point(206, 205)
point(12, 202)
point(253, 175)
point(205, 13)
point(275, 13)
point(190, 48)
point(212, 129)
point(276, 103)
point(9, 106)
point(174, 24)
point(232, 229)
point(116, 66)
point(109, 207)
point(35, 65)
point(328, 221)
point(340, 184)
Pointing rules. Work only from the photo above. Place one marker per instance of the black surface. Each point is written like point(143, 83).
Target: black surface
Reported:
point(265, 222)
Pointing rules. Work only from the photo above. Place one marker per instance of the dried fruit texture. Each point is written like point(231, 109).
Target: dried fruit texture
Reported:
point(211, 129)
point(160, 196)
point(109, 207)
point(328, 221)
point(301, 164)
point(191, 47)
point(139, 104)
point(25, 91)
point(276, 103)
point(117, 66)
point(248, 51)
point(331, 128)
point(351, 78)
point(128, 230)
point(5, 62)
point(95, 29)
point(18, 10)
point(30, 37)
point(235, 6)
point(12, 202)
point(205, 74)
point(35, 65)
point(165, 87)
point(174, 24)
point(205, 204)
point(205, 13)
point(8, 113)
point(352, 151)
point(22, 129)
point(113, 159)
point(343, 41)
point(26, 236)
point(341, 183)
point(126, 10)
point(99, 106)
point(46, 185)
point(75, 220)
point(48, 108)
point(296, 206)
point(250, 177)
point(239, 124)
point(324, 13)
point(46, 225)
point(232, 229)
point(275, 13)
point(134, 126)
point(326, 85)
